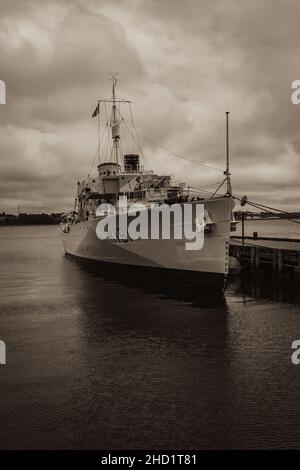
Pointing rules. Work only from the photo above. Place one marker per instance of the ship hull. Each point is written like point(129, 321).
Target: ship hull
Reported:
point(163, 258)
point(131, 271)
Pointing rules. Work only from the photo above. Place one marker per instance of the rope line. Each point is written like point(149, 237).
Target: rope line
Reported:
point(98, 148)
point(262, 206)
point(181, 156)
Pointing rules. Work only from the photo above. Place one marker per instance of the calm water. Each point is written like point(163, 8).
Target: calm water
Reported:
point(271, 228)
point(96, 363)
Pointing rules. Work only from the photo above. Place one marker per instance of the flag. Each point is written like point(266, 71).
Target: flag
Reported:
point(96, 112)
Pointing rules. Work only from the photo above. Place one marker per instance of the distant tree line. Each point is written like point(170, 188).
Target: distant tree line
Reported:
point(29, 219)
point(266, 215)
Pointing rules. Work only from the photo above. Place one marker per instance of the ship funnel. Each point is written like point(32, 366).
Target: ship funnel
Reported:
point(131, 163)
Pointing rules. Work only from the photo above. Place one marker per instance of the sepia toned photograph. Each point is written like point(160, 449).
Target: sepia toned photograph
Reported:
point(149, 228)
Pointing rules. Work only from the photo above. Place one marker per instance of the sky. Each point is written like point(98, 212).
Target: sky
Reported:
point(183, 64)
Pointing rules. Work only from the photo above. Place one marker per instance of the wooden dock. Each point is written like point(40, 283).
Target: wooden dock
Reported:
point(279, 254)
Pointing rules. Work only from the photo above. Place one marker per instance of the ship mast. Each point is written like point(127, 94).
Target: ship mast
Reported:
point(115, 124)
point(227, 171)
point(114, 120)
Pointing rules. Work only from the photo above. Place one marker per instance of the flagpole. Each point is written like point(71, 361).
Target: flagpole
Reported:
point(227, 173)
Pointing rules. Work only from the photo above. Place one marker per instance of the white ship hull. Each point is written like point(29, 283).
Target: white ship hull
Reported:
point(167, 256)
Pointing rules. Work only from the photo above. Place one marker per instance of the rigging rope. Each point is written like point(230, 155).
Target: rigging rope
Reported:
point(98, 148)
point(181, 156)
point(135, 137)
point(207, 185)
point(136, 140)
point(262, 206)
point(220, 185)
point(99, 145)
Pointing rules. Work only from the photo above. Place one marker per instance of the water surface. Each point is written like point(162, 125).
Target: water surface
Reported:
point(97, 363)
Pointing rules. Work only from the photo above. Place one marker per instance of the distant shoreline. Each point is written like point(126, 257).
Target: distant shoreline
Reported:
point(29, 219)
point(33, 224)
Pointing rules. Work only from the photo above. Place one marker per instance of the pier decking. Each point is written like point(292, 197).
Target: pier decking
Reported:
point(283, 254)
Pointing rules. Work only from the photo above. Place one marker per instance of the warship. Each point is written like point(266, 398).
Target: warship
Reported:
point(125, 175)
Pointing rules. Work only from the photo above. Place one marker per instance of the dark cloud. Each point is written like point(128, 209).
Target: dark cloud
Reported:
point(182, 63)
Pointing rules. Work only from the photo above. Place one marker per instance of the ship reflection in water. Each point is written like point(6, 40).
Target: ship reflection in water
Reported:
point(263, 286)
point(94, 361)
point(156, 282)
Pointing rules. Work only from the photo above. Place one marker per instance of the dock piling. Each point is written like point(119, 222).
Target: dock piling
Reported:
point(274, 257)
point(280, 255)
point(257, 257)
point(252, 256)
point(280, 260)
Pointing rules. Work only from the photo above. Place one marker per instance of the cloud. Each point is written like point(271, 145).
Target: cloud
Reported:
point(183, 66)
